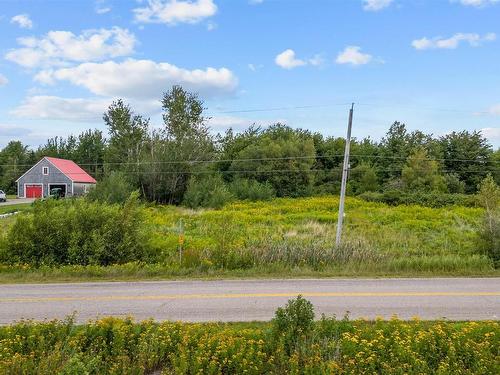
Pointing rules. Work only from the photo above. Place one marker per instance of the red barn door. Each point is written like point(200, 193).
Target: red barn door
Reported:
point(33, 191)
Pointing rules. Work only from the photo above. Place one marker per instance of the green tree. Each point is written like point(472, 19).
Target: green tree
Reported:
point(178, 149)
point(90, 151)
point(363, 178)
point(422, 173)
point(15, 159)
point(281, 156)
point(468, 155)
point(127, 134)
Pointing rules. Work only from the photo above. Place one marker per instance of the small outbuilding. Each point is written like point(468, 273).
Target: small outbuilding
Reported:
point(54, 173)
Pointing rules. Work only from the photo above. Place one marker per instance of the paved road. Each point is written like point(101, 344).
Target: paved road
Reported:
point(11, 202)
point(246, 300)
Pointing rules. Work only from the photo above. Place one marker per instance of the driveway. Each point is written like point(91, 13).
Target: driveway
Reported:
point(11, 202)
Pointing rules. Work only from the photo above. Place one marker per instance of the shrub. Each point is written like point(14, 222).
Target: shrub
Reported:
point(293, 323)
point(114, 188)
point(432, 199)
point(207, 191)
point(252, 190)
point(489, 232)
point(78, 232)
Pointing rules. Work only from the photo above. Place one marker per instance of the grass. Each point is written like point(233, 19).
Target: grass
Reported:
point(293, 238)
point(6, 209)
point(121, 346)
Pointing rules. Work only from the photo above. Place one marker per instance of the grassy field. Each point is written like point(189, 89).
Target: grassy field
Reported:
point(291, 344)
point(293, 238)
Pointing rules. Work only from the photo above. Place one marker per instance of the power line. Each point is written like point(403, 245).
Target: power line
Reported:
point(331, 156)
point(210, 171)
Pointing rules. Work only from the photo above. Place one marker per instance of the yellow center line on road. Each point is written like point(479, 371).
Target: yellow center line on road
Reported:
point(246, 295)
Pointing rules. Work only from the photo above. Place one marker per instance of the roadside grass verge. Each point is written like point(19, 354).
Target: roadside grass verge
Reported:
point(450, 266)
point(293, 343)
point(14, 208)
point(278, 238)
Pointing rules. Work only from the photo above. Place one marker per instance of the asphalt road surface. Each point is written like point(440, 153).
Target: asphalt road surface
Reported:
point(11, 202)
point(247, 300)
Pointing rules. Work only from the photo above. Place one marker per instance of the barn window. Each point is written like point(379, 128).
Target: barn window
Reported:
point(45, 171)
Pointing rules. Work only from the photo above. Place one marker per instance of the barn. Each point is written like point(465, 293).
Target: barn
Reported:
point(50, 173)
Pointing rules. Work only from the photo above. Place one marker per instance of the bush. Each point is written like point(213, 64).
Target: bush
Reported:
point(114, 188)
point(252, 190)
point(293, 323)
point(207, 192)
point(78, 232)
point(489, 232)
point(433, 199)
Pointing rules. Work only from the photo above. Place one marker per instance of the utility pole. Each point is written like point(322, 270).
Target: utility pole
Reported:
point(345, 170)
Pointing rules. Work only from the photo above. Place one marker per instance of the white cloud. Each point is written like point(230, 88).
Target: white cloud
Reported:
point(23, 21)
point(61, 47)
point(221, 123)
point(56, 108)
point(317, 60)
point(476, 3)
point(142, 78)
point(287, 60)
point(353, 55)
point(211, 26)
point(495, 110)
point(3, 80)
point(376, 5)
point(13, 131)
point(453, 42)
point(103, 10)
point(491, 133)
point(255, 2)
point(172, 12)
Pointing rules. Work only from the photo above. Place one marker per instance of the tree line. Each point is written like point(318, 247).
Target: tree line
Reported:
point(182, 158)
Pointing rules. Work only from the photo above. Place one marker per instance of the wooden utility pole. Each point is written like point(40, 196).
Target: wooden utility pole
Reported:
point(345, 171)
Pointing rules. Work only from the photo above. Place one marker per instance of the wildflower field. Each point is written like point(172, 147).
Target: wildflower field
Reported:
point(285, 236)
point(293, 343)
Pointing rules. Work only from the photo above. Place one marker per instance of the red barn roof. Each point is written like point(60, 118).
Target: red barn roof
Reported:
point(72, 170)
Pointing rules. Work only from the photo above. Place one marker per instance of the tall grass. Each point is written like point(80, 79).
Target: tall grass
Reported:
point(275, 237)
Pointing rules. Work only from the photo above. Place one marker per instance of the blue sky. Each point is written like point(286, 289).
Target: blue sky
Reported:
point(433, 64)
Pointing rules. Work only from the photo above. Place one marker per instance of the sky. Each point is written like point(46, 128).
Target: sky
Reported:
point(432, 64)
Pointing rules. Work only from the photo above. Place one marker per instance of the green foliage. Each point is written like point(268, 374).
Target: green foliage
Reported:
point(293, 323)
point(363, 178)
point(207, 192)
point(127, 132)
point(431, 199)
point(252, 190)
point(60, 232)
point(330, 346)
point(177, 149)
point(421, 174)
point(489, 233)
point(114, 188)
point(15, 159)
point(289, 155)
point(453, 183)
point(282, 236)
point(468, 155)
